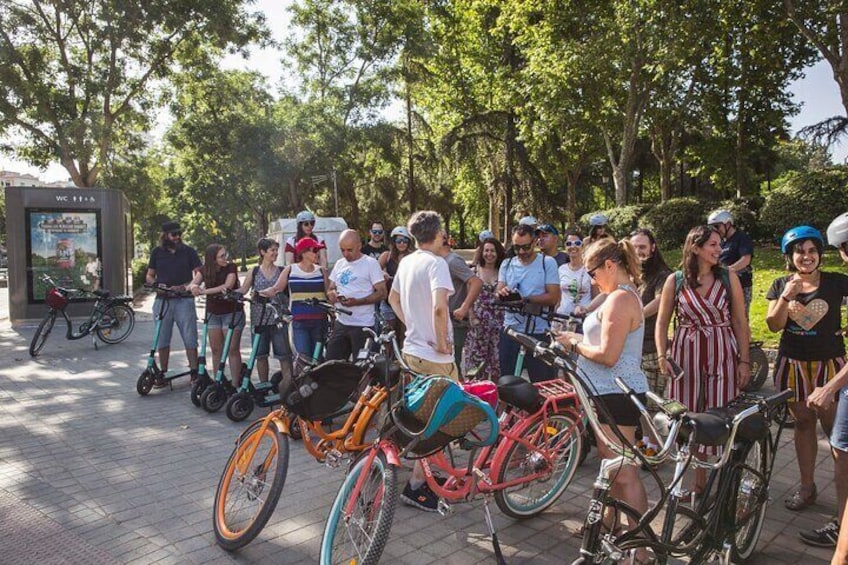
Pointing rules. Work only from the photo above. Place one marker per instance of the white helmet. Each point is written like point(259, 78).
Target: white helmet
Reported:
point(837, 231)
point(598, 220)
point(305, 216)
point(486, 234)
point(720, 217)
point(401, 231)
point(528, 221)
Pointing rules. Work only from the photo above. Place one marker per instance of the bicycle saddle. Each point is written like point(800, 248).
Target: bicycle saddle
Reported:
point(101, 293)
point(519, 393)
point(713, 426)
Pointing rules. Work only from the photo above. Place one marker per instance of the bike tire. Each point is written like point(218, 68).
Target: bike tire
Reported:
point(239, 406)
point(372, 518)
point(213, 398)
point(42, 333)
point(145, 381)
point(532, 498)
point(122, 322)
point(240, 511)
point(614, 513)
point(759, 369)
point(748, 501)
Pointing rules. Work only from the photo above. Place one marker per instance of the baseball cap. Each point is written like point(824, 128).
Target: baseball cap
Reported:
point(548, 228)
point(305, 243)
point(171, 226)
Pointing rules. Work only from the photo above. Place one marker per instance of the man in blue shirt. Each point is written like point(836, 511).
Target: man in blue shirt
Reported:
point(737, 251)
point(534, 278)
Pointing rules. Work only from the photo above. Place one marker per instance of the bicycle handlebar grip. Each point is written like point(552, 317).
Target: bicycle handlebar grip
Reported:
point(779, 398)
point(525, 340)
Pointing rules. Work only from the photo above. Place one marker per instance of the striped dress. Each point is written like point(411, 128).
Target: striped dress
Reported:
point(705, 347)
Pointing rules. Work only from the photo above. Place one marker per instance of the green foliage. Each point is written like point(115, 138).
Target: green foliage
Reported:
point(812, 198)
point(139, 271)
point(671, 220)
point(622, 220)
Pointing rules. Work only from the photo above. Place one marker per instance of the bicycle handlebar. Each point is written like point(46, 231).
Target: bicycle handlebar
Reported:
point(162, 288)
point(328, 306)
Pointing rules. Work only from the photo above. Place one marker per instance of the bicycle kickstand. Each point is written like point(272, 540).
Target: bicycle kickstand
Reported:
point(490, 524)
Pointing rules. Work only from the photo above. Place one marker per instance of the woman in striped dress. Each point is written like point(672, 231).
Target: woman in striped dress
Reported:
point(712, 336)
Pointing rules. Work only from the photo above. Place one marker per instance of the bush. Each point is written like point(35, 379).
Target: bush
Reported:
point(139, 270)
point(671, 220)
point(805, 197)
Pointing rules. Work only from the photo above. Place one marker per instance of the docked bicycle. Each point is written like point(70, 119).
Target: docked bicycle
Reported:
point(111, 319)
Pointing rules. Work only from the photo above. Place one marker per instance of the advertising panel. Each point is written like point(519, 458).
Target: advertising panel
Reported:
point(66, 245)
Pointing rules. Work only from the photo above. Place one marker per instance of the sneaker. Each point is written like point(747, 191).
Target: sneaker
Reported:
point(825, 536)
point(422, 498)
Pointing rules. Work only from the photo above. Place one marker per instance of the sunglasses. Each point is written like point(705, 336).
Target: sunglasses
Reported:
point(310, 223)
point(575, 243)
point(399, 240)
point(524, 247)
point(591, 272)
point(377, 232)
point(176, 234)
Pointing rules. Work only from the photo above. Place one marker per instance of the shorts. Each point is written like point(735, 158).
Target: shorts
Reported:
point(180, 311)
point(276, 336)
point(425, 367)
point(222, 321)
point(621, 407)
point(651, 367)
point(804, 376)
point(839, 434)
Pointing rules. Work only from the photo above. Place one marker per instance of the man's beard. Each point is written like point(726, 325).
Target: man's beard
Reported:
point(169, 244)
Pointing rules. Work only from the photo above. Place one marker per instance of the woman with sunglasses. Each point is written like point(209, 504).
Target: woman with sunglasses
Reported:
point(574, 281)
point(401, 244)
point(217, 276)
point(711, 340)
point(305, 228)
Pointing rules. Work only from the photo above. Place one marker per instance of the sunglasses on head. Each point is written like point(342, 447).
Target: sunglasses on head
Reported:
point(575, 243)
point(377, 232)
point(176, 233)
point(523, 247)
point(401, 240)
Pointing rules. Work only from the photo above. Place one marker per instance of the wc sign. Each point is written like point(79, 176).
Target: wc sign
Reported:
point(66, 199)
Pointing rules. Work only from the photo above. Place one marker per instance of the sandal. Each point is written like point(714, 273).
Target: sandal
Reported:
point(798, 501)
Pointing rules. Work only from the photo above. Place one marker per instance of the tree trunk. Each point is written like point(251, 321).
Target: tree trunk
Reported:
point(294, 195)
point(410, 148)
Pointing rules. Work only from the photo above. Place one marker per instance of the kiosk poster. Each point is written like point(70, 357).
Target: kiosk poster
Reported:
point(65, 246)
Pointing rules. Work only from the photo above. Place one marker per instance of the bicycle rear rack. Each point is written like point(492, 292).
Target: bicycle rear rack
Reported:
point(555, 389)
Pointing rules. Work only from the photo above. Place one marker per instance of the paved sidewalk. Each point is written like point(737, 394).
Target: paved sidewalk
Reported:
point(90, 472)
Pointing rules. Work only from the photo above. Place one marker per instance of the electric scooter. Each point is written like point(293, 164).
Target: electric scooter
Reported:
point(215, 394)
point(203, 378)
point(153, 374)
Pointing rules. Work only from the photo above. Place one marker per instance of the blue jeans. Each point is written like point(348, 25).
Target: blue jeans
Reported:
point(508, 350)
point(839, 434)
point(307, 334)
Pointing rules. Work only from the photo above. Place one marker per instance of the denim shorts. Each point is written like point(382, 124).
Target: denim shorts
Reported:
point(182, 312)
point(280, 340)
point(217, 321)
point(839, 434)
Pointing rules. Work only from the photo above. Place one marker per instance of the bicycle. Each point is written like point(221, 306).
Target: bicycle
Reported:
point(253, 478)
point(111, 318)
point(526, 463)
point(726, 522)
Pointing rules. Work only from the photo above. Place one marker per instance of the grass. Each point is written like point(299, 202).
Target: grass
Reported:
point(768, 265)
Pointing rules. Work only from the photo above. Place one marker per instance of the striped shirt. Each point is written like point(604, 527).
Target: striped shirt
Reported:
point(303, 286)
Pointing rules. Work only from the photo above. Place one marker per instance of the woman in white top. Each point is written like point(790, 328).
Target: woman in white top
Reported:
point(575, 282)
point(305, 228)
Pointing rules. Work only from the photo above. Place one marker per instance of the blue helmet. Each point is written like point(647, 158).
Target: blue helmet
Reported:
point(798, 233)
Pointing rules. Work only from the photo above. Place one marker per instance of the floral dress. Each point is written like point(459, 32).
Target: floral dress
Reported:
point(481, 344)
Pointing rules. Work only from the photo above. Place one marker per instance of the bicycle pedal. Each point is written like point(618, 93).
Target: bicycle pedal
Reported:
point(443, 508)
point(333, 458)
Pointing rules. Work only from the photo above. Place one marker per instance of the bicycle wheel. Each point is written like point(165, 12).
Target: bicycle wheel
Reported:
point(245, 501)
point(616, 518)
point(562, 439)
point(747, 506)
point(213, 398)
point(357, 529)
point(42, 333)
point(116, 324)
point(759, 369)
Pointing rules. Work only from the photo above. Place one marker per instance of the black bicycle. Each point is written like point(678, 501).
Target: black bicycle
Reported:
point(112, 319)
point(727, 519)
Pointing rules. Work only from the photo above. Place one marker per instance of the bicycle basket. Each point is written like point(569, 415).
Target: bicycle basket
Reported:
point(333, 381)
point(436, 411)
point(56, 299)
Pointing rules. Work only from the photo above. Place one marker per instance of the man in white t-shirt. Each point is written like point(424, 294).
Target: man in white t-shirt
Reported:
point(419, 297)
point(357, 283)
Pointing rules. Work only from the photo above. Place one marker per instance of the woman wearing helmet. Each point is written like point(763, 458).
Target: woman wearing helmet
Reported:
point(305, 228)
point(805, 307)
point(401, 244)
point(598, 228)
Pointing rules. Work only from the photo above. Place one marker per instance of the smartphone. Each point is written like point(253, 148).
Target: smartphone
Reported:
point(513, 296)
point(676, 370)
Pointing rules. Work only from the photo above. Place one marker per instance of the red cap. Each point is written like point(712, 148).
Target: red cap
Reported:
point(306, 243)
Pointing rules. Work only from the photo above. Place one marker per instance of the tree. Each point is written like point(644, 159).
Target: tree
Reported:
point(79, 77)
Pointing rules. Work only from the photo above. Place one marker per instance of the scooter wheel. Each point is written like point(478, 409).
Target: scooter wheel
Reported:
point(196, 390)
point(213, 398)
point(145, 382)
point(239, 406)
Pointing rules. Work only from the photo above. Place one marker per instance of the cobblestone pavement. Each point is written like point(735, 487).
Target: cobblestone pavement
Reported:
point(90, 472)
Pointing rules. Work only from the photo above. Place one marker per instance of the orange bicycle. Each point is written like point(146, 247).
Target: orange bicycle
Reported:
point(253, 478)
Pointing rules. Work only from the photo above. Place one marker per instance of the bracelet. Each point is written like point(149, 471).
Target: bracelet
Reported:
point(784, 298)
point(661, 357)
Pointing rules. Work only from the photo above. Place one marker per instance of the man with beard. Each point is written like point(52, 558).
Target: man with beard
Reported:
point(377, 244)
point(174, 264)
point(654, 274)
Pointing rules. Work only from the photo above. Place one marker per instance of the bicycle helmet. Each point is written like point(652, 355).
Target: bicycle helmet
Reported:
point(837, 231)
point(401, 231)
point(528, 221)
point(486, 234)
point(797, 234)
point(720, 217)
point(598, 220)
point(305, 216)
